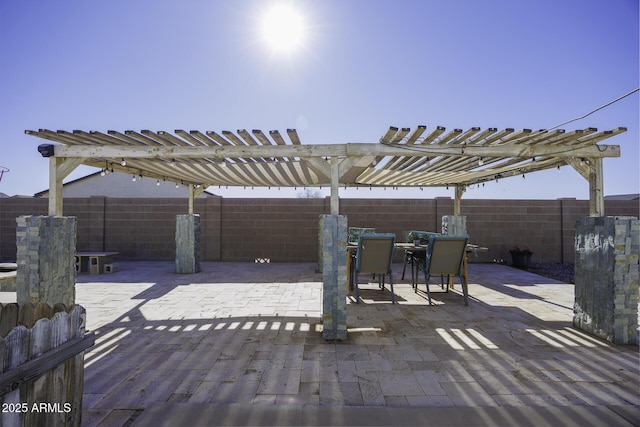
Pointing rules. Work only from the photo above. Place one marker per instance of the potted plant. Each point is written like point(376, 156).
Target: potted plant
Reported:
point(521, 257)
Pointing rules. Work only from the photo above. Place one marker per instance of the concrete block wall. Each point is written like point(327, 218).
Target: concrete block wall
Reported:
point(142, 229)
point(286, 230)
point(282, 230)
point(210, 211)
point(10, 209)
point(502, 224)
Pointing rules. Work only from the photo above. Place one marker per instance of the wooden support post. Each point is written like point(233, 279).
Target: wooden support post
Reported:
point(335, 177)
point(458, 199)
point(191, 198)
point(591, 170)
point(596, 190)
point(194, 192)
point(59, 168)
point(55, 187)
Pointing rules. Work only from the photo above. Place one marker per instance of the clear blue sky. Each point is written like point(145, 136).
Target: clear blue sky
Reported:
point(363, 66)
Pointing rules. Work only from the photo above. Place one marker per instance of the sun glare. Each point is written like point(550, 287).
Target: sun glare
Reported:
point(283, 28)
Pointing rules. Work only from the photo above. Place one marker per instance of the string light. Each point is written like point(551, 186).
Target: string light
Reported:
point(123, 162)
point(481, 162)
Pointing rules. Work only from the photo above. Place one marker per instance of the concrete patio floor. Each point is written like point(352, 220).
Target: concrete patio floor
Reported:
point(241, 343)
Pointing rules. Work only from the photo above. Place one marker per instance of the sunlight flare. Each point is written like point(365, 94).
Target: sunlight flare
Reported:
point(283, 28)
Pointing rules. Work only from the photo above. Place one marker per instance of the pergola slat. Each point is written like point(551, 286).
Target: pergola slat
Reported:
point(403, 156)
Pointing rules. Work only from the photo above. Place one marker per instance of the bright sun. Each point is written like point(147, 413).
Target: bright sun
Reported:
point(283, 28)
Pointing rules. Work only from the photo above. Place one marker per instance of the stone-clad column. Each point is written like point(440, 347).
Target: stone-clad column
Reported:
point(333, 229)
point(46, 247)
point(606, 278)
point(454, 225)
point(187, 244)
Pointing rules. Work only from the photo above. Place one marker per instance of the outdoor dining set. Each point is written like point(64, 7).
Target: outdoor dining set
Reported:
point(431, 253)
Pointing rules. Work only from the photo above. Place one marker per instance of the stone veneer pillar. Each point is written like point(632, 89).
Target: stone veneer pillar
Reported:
point(46, 248)
point(606, 278)
point(333, 229)
point(454, 225)
point(187, 244)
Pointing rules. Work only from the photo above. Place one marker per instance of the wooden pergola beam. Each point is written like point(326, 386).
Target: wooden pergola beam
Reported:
point(330, 150)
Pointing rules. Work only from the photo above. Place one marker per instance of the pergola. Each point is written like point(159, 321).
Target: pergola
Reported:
point(403, 157)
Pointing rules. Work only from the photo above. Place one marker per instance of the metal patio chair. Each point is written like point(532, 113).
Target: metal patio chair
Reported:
point(374, 255)
point(444, 256)
point(414, 257)
point(354, 232)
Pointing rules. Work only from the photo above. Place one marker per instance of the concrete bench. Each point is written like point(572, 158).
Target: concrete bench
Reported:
point(95, 262)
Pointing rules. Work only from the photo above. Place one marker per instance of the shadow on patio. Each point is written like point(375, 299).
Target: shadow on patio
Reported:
point(191, 348)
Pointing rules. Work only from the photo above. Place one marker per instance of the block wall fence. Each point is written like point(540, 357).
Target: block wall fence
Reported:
point(286, 230)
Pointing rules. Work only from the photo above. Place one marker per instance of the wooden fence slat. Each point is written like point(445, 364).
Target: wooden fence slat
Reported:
point(36, 390)
point(16, 354)
point(42, 310)
point(17, 342)
point(60, 333)
point(43, 363)
point(8, 318)
point(58, 307)
point(36, 367)
point(75, 367)
point(25, 315)
point(40, 338)
point(78, 320)
point(3, 367)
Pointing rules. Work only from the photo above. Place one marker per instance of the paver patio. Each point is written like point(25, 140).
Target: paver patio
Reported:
point(248, 334)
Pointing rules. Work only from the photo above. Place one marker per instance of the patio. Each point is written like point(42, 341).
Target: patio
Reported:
point(240, 343)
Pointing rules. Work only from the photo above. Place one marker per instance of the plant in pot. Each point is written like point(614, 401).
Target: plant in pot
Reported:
point(521, 257)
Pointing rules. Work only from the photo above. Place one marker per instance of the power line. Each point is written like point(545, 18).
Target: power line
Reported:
point(593, 111)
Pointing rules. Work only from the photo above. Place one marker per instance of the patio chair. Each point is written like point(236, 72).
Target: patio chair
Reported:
point(413, 257)
point(444, 256)
point(374, 255)
point(354, 232)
